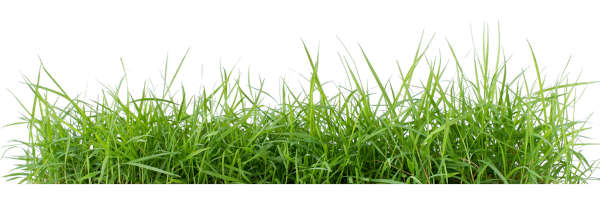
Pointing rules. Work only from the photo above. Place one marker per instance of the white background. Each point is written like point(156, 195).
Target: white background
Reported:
point(81, 43)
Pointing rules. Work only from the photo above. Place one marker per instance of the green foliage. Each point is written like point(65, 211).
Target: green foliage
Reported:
point(491, 129)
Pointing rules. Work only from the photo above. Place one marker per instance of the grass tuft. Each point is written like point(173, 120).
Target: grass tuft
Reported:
point(484, 126)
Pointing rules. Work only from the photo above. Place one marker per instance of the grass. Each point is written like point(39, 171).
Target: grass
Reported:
point(484, 126)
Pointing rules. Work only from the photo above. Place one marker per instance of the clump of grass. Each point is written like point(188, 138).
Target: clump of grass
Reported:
point(484, 126)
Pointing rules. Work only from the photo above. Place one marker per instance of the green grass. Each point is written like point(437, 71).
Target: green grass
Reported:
point(483, 126)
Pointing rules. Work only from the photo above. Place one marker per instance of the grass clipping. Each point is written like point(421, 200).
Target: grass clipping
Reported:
point(486, 129)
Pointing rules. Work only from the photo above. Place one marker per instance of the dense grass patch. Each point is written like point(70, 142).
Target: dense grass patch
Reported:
point(484, 126)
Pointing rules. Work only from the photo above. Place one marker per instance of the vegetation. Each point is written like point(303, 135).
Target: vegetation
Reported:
point(484, 126)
